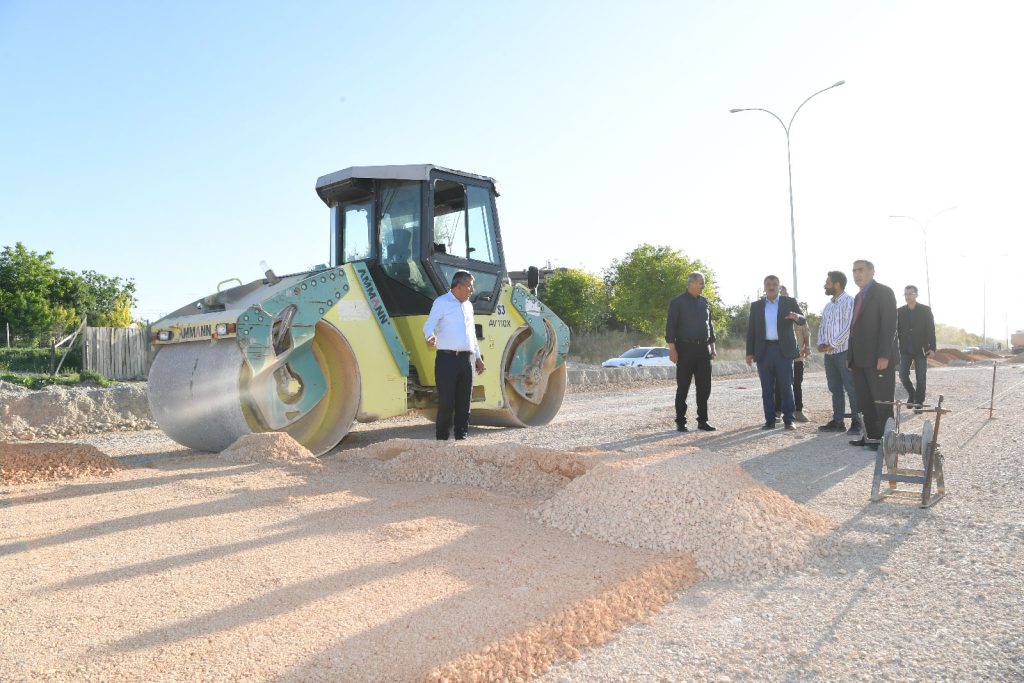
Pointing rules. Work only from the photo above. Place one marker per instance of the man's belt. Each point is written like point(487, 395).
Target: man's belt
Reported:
point(449, 352)
point(771, 341)
point(694, 341)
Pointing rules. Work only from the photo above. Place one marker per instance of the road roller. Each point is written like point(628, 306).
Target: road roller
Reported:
point(312, 352)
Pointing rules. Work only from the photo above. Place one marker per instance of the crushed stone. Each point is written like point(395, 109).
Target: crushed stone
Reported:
point(27, 463)
point(698, 503)
point(58, 412)
point(268, 447)
point(508, 468)
point(569, 633)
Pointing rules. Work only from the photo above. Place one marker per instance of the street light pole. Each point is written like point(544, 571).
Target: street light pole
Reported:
point(789, 167)
point(924, 234)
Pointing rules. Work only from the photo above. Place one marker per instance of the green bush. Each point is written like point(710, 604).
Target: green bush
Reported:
point(38, 360)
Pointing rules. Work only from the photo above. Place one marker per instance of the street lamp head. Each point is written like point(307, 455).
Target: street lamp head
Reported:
point(838, 83)
point(733, 111)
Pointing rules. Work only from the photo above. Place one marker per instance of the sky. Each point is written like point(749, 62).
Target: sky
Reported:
point(177, 144)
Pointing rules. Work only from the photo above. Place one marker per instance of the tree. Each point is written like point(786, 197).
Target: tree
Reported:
point(40, 300)
point(578, 298)
point(646, 280)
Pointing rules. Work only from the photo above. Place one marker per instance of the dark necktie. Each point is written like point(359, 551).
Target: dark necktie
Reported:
point(856, 308)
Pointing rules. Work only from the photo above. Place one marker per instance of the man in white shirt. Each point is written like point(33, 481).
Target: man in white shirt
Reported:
point(834, 342)
point(450, 329)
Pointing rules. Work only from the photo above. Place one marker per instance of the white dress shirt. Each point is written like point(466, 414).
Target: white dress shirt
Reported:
point(451, 321)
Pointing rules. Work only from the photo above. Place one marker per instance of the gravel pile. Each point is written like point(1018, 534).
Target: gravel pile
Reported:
point(57, 412)
point(27, 463)
point(268, 447)
point(697, 503)
point(503, 467)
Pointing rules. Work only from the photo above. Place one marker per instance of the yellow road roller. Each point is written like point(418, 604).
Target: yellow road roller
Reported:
point(311, 352)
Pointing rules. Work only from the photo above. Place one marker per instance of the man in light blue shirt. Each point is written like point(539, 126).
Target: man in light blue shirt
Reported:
point(450, 328)
point(771, 342)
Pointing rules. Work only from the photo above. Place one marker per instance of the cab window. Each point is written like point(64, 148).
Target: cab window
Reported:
point(355, 219)
point(399, 232)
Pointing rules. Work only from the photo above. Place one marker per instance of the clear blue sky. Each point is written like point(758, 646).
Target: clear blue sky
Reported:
point(178, 143)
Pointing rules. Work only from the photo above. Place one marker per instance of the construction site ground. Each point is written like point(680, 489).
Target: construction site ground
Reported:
point(626, 551)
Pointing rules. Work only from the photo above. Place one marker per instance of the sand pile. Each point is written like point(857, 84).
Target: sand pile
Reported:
point(271, 447)
point(508, 468)
point(56, 412)
point(734, 526)
point(26, 463)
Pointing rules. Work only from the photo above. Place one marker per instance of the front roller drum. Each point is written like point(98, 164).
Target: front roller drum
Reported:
point(198, 394)
point(518, 411)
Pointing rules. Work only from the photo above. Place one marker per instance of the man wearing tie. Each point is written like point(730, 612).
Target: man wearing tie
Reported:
point(770, 340)
point(874, 350)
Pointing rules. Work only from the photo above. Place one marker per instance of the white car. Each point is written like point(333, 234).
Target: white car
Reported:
point(641, 356)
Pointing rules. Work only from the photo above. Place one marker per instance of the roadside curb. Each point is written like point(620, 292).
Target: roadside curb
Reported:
point(727, 368)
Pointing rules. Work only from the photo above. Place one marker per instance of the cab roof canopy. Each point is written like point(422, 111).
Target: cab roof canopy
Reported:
point(328, 185)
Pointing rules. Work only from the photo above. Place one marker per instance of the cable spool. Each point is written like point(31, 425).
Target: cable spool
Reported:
point(895, 444)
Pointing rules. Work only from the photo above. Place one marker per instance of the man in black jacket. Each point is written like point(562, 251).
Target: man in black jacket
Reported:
point(770, 340)
point(916, 328)
point(874, 350)
point(690, 335)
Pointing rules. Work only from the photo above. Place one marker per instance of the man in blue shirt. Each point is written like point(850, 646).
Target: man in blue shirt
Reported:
point(770, 340)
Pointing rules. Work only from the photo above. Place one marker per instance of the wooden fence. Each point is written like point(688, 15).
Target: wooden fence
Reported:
point(116, 352)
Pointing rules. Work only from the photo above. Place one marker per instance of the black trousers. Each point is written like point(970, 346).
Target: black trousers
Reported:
point(920, 371)
point(454, 377)
point(873, 385)
point(694, 365)
point(798, 388)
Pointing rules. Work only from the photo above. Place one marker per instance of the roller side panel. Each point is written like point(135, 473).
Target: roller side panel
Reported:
point(383, 385)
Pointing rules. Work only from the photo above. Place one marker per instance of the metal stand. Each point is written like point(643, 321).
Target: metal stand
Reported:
point(894, 444)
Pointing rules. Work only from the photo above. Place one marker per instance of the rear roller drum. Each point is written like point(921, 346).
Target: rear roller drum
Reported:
point(519, 412)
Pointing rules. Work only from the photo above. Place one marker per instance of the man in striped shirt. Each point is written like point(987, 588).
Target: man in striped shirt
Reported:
point(834, 342)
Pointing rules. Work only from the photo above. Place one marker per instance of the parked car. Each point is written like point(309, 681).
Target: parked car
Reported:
point(641, 356)
point(970, 349)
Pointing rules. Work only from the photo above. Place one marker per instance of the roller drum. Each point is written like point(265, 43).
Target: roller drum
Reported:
point(195, 394)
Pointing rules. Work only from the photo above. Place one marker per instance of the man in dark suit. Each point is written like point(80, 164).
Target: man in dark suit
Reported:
point(770, 340)
point(916, 329)
point(874, 350)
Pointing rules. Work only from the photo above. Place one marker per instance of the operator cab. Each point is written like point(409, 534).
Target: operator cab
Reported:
point(415, 227)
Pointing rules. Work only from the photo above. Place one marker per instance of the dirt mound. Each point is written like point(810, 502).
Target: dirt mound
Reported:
point(935, 363)
point(56, 412)
point(508, 468)
point(1019, 358)
point(985, 353)
point(947, 355)
point(271, 447)
point(26, 463)
point(695, 503)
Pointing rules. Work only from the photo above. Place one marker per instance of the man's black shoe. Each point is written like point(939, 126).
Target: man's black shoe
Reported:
point(832, 426)
point(854, 428)
point(460, 438)
point(767, 426)
point(705, 427)
point(681, 428)
point(789, 426)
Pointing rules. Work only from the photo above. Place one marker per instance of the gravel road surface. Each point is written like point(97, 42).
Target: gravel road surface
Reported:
point(893, 592)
